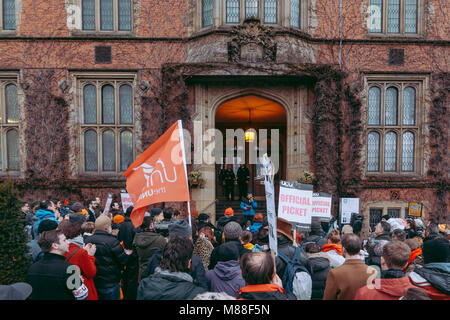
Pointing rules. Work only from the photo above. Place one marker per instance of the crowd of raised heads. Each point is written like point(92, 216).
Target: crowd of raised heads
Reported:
point(81, 252)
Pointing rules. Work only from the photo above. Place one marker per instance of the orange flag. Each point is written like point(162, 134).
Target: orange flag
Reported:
point(159, 174)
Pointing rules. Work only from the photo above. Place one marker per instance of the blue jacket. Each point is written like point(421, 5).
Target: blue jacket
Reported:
point(42, 215)
point(248, 212)
point(255, 227)
point(226, 277)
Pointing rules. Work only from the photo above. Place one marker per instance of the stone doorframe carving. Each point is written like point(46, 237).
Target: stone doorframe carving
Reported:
point(209, 97)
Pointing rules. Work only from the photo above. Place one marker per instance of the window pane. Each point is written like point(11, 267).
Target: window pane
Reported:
point(394, 213)
point(126, 104)
point(233, 11)
point(108, 115)
point(90, 151)
point(393, 18)
point(9, 14)
point(373, 152)
point(295, 13)
point(106, 15)
point(124, 14)
point(12, 149)
point(207, 13)
point(411, 16)
point(90, 104)
point(251, 8)
point(375, 217)
point(374, 105)
point(126, 150)
point(409, 106)
point(88, 14)
point(408, 152)
point(391, 106)
point(376, 14)
point(390, 152)
point(109, 151)
point(12, 109)
point(270, 11)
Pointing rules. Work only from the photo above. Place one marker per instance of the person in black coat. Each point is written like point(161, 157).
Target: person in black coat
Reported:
point(197, 271)
point(52, 278)
point(243, 177)
point(318, 266)
point(110, 259)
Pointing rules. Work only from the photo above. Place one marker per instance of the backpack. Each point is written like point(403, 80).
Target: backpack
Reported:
point(296, 278)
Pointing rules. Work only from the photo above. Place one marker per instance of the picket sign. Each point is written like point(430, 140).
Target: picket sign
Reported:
point(126, 200)
point(321, 206)
point(108, 204)
point(295, 204)
point(270, 203)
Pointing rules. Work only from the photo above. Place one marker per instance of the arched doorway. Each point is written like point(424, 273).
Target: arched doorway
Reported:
point(256, 113)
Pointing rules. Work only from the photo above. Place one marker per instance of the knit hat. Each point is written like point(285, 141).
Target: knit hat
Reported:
point(47, 225)
point(77, 218)
point(258, 217)
point(16, 291)
point(229, 212)
point(180, 228)
point(227, 252)
point(203, 217)
point(129, 210)
point(102, 223)
point(347, 229)
point(232, 230)
point(118, 219)
point(76, 207)
point(315, 225)
point(436, 250)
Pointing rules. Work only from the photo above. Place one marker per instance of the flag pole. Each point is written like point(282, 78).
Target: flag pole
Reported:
point(180, 128)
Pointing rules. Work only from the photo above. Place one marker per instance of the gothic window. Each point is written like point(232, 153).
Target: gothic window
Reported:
point(394, 16)
point(106, 15)
point(8, 14)
point(207, 13)
point(107, 126)
point(233, 11)
point(295, 13)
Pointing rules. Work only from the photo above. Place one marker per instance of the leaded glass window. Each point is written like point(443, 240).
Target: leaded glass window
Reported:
point(90, 151)
point(408, 151)
point(124, 7)
point(126, 150)
point(88, 14)
point(126, 104)
point(390, 151)
point(251, 8)
point(409, 105)
point(12, 149)
point(373, 152)
point(233, 11)
point(90, 104)
point(108, 114)
point(9, 14)
point(207, 13)
point(295, 13)
point(410, 16)
point(391, 106)
point(374, 105)
point(108, 151)
point(376, 15)
point(393, 19)
point(106, 15)
point(270, 11)
point(12, 109)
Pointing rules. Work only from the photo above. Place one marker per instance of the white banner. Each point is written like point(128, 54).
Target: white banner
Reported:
point(321, 206)
point(347, 207)
point(126, 200)
point(108, 204)
point(270, 203)
point(295, 203)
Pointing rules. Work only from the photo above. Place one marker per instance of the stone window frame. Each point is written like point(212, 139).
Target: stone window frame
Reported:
point(76, 14)
point(7, 79)
point(420, 83)
point(17, 18)
point(219, 15)
point(402, 33)
point(99, 80)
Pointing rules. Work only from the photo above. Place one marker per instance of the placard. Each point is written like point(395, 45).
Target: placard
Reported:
point(126, 200)
point(108, 204)
point(415, 209)
point(270, 202)
point(295, 203)
point(347, 207)
point(321, 206)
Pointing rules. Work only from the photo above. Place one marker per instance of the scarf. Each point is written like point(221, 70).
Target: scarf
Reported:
point(77, 241)
point(332, 246)
point(414, 255)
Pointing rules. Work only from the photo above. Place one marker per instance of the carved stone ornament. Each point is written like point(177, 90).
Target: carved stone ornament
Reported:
point(252, 42)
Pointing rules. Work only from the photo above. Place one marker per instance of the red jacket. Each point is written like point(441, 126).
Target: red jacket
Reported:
point(86, 263)
point(386, 289)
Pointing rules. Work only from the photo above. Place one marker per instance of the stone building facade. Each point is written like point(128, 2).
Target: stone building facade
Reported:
point(86, 86)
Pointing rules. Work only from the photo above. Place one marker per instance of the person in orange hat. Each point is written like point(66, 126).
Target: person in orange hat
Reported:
point(222, 222)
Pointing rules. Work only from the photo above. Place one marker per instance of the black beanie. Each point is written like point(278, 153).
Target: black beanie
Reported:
point(436, 250)
point(227, 251)
point(47, 225)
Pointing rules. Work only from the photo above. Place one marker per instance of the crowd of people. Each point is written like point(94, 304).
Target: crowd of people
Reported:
point(79, 252)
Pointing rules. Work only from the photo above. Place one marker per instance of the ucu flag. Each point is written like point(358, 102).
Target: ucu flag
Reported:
point(158, 174)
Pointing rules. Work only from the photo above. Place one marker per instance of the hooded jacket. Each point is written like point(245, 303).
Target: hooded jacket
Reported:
point(245, 204)
point(264, 292)
point(145, 244)
point(384, 289)
point(126, 233)
point(165, 285)
point(285, 246)
point(255, 227)
point(42, 214)
point(434, 278)
point(318, 268)
point(226, 277)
